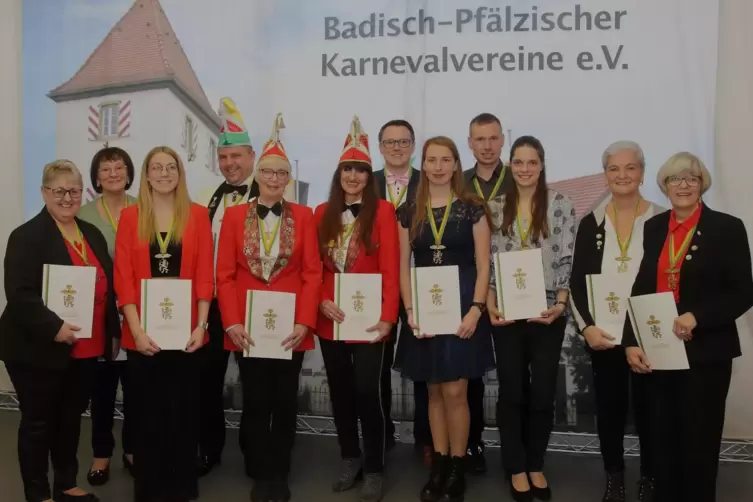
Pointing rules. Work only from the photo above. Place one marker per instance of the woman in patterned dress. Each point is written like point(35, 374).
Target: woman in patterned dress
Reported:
point(446, 362)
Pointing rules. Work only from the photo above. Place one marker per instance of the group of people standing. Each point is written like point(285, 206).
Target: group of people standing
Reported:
point(252, 237)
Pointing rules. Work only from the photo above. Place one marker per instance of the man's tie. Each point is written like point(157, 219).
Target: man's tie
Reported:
point(263, 210)
point(353, 208)
point(401, 179)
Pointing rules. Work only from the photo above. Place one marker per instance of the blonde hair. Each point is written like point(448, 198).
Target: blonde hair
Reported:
point(681, 162)
point(147, 226)
point(60, 167)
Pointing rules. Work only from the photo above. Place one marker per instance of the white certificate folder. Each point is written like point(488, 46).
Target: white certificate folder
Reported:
point(166, 312)
point(607, 302)
point(436, 299)
point(270, 319)
point(521, 290)
point(652, 317)
point(69, 292)
point(359, 296)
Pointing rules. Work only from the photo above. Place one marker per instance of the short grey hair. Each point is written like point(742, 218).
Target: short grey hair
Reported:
point(683, 162)
point(61, 167)
point(619, 146)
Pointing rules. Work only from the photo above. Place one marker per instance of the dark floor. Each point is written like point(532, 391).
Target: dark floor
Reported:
point(573, 478)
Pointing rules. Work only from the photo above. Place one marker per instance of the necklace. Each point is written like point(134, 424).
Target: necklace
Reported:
point(268, 238)
point(437, 246)
point(523, 234)
point(624, 246)
point(163, 255)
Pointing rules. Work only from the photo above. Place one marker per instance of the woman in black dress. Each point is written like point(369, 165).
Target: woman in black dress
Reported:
point(447, 362)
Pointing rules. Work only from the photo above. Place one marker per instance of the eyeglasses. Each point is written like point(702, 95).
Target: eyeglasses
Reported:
point(268, 174)
point(159, 168)
point(676, 181)
point(109, 170)
point(403, 143)
point(60, 193)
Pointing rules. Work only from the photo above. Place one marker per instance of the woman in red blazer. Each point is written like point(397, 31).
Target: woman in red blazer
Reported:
point(269, 244)
point(357, 235)
point(163, 236)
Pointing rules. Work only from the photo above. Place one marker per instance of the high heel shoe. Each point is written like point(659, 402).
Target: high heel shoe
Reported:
point(544, 494)
point(519, 496)
point(98, 477)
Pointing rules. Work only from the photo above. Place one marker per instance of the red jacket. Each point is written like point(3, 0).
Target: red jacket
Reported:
point(385, 260)
point(133, 263)
point(298, 269)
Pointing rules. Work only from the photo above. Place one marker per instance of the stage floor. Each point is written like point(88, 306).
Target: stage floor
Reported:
point(574, 478)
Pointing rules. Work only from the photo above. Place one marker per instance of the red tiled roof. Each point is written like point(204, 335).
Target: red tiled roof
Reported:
point(140, 48)
point(585, 191)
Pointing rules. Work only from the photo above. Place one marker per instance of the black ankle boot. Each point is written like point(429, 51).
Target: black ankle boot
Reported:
point(455, 486)
point(615, 490)
point(434, 488)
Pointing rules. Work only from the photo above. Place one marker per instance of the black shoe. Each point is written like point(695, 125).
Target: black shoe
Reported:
point(526, 496)
point(128, 465)
point(541, 493)
point(455, 487)
point(59, 496)
point(476, 460)
point(280, 491)
point(98, 477)
point(646, 489)
point(434, 488)
point(372, 489)
point(351, 471)
point(205, 464)
point(260, 491)
point(615, 491)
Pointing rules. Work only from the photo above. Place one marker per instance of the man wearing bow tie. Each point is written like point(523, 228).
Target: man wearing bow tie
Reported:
point(397, 184)
point(236, 161)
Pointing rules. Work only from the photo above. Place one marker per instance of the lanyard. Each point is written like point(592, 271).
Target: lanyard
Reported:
point(496, 185)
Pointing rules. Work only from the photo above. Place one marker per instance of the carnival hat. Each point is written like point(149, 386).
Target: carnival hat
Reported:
point(273, 148)
point(233, 131)
point(356, 145)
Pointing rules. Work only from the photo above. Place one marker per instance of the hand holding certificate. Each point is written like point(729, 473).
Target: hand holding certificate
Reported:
point(270, 322)
point(521, 290)
point(653, 318)
point(607, 302)
point(166, 312)
point(359, 298)
point(436, 300)
point(69, 292)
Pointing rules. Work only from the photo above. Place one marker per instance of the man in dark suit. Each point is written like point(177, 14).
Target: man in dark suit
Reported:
point(236, 162)
point(487, 179)
point(397, 184)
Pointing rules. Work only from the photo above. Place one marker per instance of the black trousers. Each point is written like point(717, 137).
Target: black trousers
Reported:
point(687, 412)
point(270, 406)
point(354, 373)
point(386, 386)
point(51, 403)
point(165, 423)
point(528, 356)
point(613, 383)
point(214, 361)
point(108, 375)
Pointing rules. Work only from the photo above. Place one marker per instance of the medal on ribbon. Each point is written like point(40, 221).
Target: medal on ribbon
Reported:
point(624, 246)
point(342, 244)
point(113, 221)
point(163, 265)
point(437, 246)
point(675, 257)
point(268, 238)
point(496, 185)
point(523, 233)
point(78, 244)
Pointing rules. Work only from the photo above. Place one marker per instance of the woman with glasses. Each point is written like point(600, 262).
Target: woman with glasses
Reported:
point(163, 236)
point(702, 257)
point(269, 244)
point(51, 370)
point(357, 235)
point(528, 215)
point(111, 174)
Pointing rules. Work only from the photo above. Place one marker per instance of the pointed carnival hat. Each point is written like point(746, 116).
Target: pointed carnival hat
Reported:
point(233, 131)
point(356, 145)
point(273, 148)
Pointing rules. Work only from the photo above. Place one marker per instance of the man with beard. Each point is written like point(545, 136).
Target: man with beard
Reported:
point(488, 180)
point(236, 161)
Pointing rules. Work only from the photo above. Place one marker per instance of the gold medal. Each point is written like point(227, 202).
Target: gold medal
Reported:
point(437, 246)
point(624, 246)
point(523, 234)
point(75, 244)
point(163, 265)
point(674, 258)
point(342, 244)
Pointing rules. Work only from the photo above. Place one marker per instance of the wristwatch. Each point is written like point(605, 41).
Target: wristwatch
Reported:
point(480, 306)
point(204, 325)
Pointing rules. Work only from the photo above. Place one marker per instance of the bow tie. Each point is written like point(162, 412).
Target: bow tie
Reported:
point(263, 210)
point(397, 178)
point(227, 188)
point(353, 208)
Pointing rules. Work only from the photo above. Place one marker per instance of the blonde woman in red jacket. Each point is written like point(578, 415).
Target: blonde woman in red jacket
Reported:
point(269, 244)
point(357, 235)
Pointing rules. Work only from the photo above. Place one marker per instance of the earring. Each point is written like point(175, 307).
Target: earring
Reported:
point(98, 184)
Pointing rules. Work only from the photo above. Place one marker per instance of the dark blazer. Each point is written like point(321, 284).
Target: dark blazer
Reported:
point(27, 327)
point(253, 191)
point(380, 179)
point(716, 285)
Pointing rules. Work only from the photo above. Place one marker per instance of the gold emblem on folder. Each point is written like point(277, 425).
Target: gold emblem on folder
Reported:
point(269, 319)
point(358, 299)
point(69, 296)
point(520, 278)
point(614, 307)
point(654, 323)
point(436, 294)
point(167, 309)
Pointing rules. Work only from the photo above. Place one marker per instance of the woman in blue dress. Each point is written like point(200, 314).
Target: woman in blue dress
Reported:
point(447, 219)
